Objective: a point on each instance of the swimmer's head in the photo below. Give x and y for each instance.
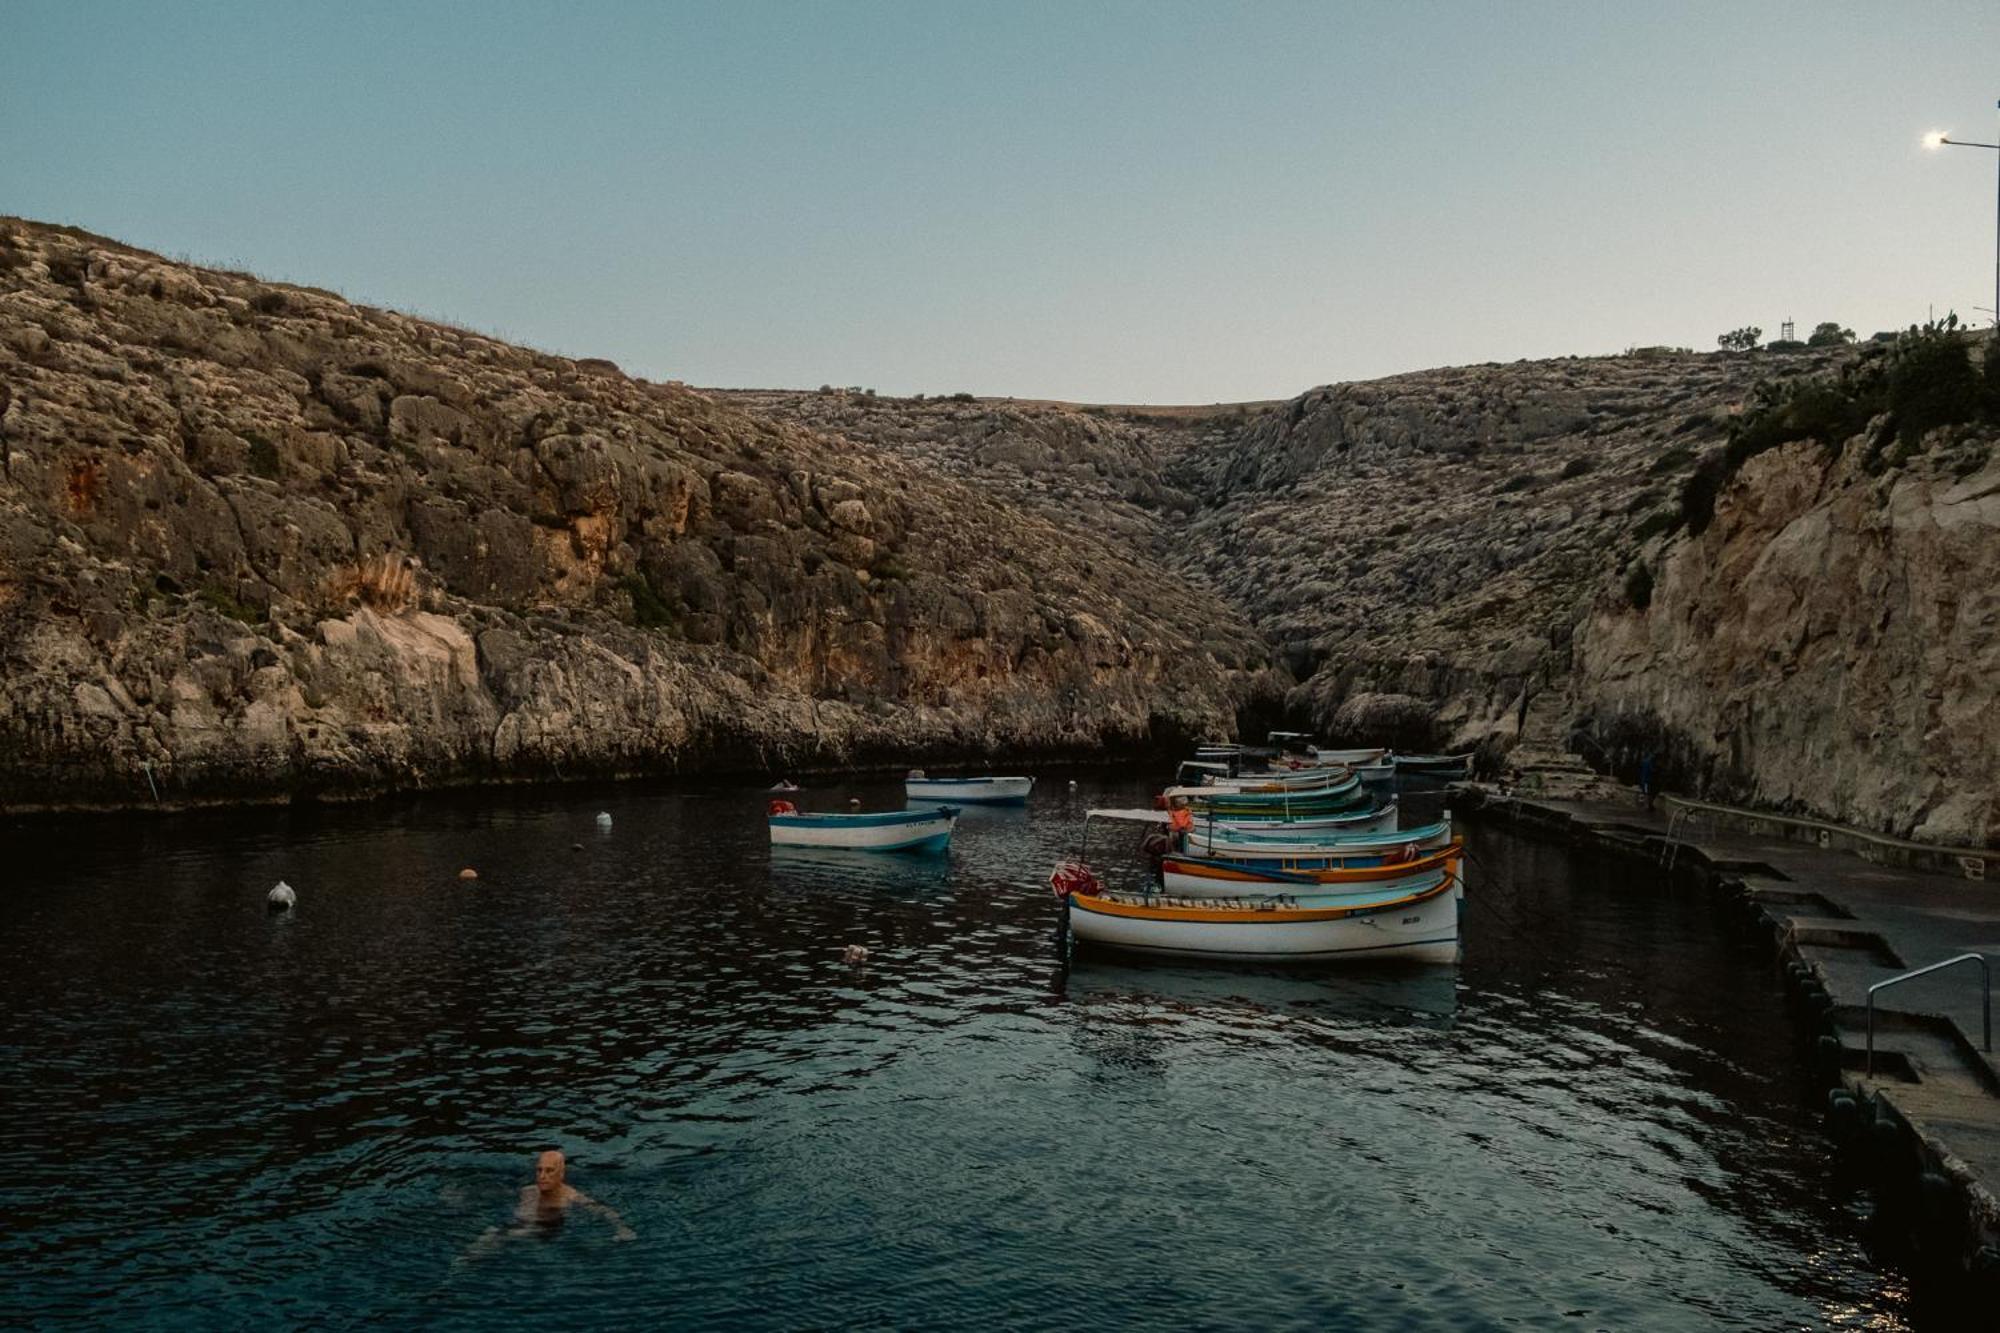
(549, 1172)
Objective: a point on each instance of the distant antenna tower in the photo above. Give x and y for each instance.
(1785, 331)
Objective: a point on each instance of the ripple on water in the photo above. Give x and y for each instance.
(215, 1116)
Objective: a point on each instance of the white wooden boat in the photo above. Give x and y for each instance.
(1374, 819)
(1435, 765)
(1268, 846)
(886, 831)
(1410, 914)
(1416, 926)
(1352, 758)
(1382, 770)
(964, 791)
(1293, 780)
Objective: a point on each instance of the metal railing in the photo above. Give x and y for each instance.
(1679, 825)
(1986, 1007)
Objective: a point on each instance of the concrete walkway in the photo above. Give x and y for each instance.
(1854, 923)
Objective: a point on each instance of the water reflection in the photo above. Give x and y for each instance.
(217, 1116)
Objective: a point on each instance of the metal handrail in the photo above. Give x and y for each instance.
(1678, 825)
(1986, 1010)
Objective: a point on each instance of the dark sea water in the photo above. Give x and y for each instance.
(213, 1117)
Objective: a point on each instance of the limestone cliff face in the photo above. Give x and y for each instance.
(1829, 645)
(256, 540)
(1419, 548)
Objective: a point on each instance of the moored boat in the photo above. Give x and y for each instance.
(1358, 820)
(1216, 877)
(1435, 765)
(1392, 925)
(970, 790)
(1350, 757)
(1409, 912)
(1293, 780)
(886, 831)
(1255, 846)
(1334, 798)
(1382, 770)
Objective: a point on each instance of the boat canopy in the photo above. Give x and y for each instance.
(1130, 816)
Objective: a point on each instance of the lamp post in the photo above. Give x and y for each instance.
(1946, 141)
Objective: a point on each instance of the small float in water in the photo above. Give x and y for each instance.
(967, 791)
(887, 831)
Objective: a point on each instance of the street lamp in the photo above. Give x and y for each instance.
(1939, 139)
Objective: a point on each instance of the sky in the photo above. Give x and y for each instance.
(1104, 202)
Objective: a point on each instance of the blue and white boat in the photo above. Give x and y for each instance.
(887, 831)
(1238, 846)
(967, 791)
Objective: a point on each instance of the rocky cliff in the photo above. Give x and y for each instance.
(1451, 559)
(257, 541)
(1829, 644)
(1417, 550)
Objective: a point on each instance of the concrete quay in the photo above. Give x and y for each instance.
(1924, 1125)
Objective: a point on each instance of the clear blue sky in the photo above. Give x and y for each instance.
(1154, 202)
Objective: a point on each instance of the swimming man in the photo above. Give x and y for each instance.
(543, 1205)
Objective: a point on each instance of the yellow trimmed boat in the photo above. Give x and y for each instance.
(1415, 926)
(1208, 877)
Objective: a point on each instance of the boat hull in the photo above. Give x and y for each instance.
(921, 831)
(1423, 930)
(1435, 765)
(1271, 846)
(970, 791)
(1208, 877)
(1352, 758)
(1300, 826)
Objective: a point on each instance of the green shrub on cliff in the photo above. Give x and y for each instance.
(1932, 382)
(263, 456)
(649, 609)
(1639, 586)
(1926, 380)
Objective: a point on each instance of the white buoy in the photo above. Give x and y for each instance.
(281, 898)
(604, 819)
(854, 953)
(1072, 784)
(854, 801)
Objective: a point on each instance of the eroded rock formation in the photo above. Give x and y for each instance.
(256, 540)
(1829, 645)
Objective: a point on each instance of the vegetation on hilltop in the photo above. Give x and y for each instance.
(1895, 393)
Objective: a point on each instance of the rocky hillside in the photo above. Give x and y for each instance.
(1829, 643)
(1452, 558)
(257, 541)
(1415, 549)
(1418, 548)
(1097, 468)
